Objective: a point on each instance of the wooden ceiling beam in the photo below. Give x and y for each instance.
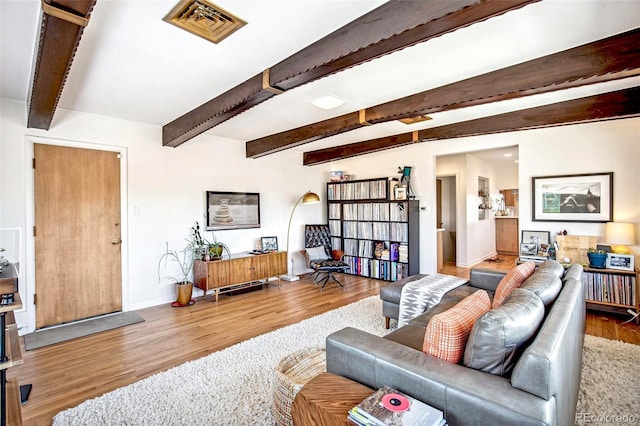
(604, 60)
(614, 105)
(63, 23)
(395, 25)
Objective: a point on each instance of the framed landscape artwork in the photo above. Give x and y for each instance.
(232, 210)
(573, 198)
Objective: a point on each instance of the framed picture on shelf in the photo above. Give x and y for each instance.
(400, 193)
(269, 243)
(528, 249)
(573, 198)
(543, 250)
(538, 237)
(620, 261)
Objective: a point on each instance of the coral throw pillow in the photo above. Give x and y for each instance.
(513, 279)
(447, 332)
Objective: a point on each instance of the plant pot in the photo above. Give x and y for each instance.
(184, 290)
(597, 260)
(215, 252)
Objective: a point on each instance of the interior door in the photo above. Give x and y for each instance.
(77, 233)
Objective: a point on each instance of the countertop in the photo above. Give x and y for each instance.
(506, 217)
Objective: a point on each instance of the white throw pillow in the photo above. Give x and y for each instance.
(317, 253)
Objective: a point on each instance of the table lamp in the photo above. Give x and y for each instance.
(307, 198)
(620, 235)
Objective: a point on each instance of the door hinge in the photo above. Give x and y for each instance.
(34, 230)
(34, 163)
(34, 298)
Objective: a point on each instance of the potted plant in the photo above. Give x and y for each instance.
(597, 258)
(203, 248)
(184, 285)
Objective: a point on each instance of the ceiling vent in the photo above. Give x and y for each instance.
(204, 19)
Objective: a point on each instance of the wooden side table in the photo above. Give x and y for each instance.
(326, 400)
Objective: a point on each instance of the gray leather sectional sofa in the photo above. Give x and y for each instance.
(502, 381)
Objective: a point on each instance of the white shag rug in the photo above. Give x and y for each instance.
(221, 384)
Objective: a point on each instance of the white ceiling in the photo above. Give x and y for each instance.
(133, 65)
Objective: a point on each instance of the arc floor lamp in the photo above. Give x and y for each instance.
(307, 198)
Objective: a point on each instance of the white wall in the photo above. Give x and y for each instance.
(612, 146)
(166, 185)
(481, 233)
(507, 177)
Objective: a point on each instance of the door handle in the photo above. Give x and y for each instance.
(116, 242)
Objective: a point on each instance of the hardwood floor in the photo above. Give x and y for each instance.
(66, 374)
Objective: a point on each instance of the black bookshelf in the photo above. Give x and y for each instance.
(379, 235)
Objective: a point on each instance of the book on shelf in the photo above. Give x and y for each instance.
(389, 407)
(394, 252)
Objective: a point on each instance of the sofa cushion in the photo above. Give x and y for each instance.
(424, 318)
(497, 336)
(545, 284)
(514, 278)
(447, 333)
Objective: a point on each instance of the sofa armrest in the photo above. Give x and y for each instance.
(486, 279)
(467, 396)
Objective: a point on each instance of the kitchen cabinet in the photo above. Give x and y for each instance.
(507, 235)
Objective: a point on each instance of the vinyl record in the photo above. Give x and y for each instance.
(396, 403)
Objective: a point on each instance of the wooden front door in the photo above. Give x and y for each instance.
(77, 233)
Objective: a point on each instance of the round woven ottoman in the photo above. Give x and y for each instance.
(292, 372)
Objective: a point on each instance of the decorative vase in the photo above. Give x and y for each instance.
(597, 260)
(184, 290)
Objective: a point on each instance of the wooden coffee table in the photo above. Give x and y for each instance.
(326, 400)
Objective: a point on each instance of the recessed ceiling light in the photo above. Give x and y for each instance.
(328, 102)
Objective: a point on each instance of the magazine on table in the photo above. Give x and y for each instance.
(389, 407)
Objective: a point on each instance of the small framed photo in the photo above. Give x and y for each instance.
(620, 261)
(400, 193)
(543, 250)
(528, 249)
(269, 243)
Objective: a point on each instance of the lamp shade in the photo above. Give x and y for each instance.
(620, 233)
(310, 198)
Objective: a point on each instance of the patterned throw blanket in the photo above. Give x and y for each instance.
(420, 295)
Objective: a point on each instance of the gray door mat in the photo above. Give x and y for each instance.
(75, 330)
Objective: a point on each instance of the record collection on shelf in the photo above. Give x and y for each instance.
(379, 235)
(608, 289)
